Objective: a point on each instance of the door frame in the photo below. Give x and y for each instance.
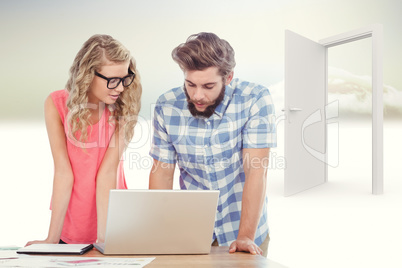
(374, 31)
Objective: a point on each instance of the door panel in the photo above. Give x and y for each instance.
(305, 124)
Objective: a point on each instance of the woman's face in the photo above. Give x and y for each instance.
(99, 92)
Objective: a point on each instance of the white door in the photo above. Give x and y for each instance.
(305, 123)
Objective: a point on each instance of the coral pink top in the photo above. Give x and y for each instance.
(80, 224)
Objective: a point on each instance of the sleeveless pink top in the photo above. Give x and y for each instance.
(80, 224)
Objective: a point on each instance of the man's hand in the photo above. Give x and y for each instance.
(245, 244)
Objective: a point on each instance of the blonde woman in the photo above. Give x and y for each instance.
(89, 125)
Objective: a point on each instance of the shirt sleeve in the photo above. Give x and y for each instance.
(162, 148)
(260, 128)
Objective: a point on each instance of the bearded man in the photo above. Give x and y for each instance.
(219, 132)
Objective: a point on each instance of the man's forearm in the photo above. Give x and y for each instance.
(161, 175)
(252, 204)
(158, 182)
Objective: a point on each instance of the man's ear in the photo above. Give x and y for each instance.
(229, 78)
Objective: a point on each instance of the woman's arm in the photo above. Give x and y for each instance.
(107, 177)
(63, 176)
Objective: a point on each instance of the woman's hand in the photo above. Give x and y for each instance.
(46, 241)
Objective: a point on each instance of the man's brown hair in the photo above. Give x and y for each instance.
(204, 50)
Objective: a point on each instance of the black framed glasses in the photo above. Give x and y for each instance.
(114, 82)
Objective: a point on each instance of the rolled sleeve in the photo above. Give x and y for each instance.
(260, 129)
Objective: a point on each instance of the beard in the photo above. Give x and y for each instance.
(210, 109)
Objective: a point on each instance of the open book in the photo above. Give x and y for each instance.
(56, 249)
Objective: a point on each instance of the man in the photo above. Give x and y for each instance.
(219, 132)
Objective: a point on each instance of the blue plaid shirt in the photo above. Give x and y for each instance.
(209, 150)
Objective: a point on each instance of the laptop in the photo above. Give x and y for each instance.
(160, 222)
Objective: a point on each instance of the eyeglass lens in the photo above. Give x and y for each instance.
(113, 83)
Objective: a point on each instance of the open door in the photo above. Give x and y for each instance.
(305, 123)
(305, 108)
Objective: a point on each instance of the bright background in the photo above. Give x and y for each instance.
(339, 224)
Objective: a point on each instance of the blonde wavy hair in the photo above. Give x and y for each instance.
(96, 52)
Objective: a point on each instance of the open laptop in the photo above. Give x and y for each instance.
(160, 222)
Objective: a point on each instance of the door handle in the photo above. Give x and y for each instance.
(292, 109)
(295, 109)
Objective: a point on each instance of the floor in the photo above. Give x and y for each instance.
(340, 223)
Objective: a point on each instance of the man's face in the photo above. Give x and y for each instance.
(205, 90)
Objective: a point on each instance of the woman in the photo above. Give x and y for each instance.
(89, 125)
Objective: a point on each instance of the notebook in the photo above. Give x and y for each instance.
(56, 249)
(160, 222)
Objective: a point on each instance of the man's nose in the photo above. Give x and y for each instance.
(198, 94)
